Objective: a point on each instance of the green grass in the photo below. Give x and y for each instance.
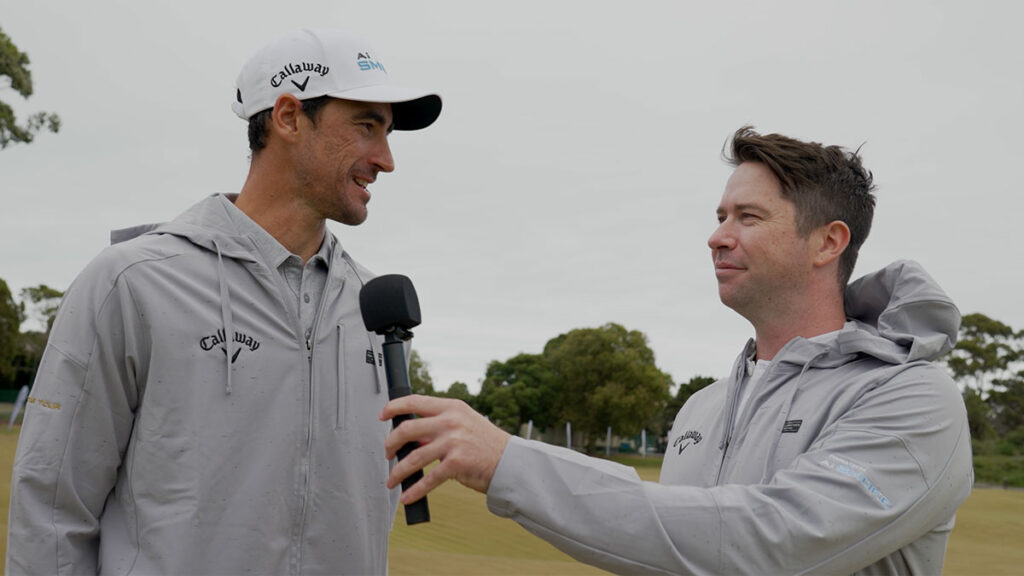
(462, 538)
(643, 464)
(988, 534)
(8, 445)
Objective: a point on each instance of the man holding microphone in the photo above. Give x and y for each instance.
(834, 445)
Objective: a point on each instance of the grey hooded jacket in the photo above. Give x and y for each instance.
(181, 423)
(849, 457)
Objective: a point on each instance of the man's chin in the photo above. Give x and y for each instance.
(729, 298)
(351, 218)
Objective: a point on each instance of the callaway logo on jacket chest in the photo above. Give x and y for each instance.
(217, 340)
(684, 440)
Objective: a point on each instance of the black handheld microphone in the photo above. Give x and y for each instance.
(390, 308)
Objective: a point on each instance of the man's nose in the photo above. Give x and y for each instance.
(383, 159)
(721, 237)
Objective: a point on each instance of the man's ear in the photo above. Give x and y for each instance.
(834, 238)
(286, 117)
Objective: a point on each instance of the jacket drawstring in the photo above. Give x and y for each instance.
(785, 412)
(225, 316)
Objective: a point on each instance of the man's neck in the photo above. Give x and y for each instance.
(278, 212)
(815, 317)
(770, 341)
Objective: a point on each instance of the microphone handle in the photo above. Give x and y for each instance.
(398, 386)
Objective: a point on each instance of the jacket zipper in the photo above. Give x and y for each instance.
(730, 423)
(725, 451)
(307, 463)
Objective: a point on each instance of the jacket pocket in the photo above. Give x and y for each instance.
(360, 376)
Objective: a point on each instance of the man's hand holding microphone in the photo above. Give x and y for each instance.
(466, 445)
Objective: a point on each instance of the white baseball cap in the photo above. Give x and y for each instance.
(335, 63)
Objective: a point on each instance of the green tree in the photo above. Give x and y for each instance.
(459, 391)
(1007, 404)
(31, 346)
(11, 316)
(419, 375)
(518, 390)
(683, 394)
(986, 350)
(988, 363)
(20, 352)
(43, 304)
(608, 377)
(502, 408)
(14, 64)
(979, 416)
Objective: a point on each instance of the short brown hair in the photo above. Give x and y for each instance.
(258, 123)
(825, 183)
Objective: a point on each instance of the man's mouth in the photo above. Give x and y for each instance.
(723, 266)
(363, 183)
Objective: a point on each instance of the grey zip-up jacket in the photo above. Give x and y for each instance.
(181, 423)
(848, 457)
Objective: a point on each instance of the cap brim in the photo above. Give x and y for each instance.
(412, 109)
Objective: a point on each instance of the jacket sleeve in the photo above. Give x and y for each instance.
(77, 424)
(891, 469)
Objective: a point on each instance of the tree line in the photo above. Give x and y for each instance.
(591, 377)
(21, 351)
(608, 376)
(988, 363)
(599, 377)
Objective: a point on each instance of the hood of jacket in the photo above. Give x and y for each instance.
(899, 315)
(207, 224)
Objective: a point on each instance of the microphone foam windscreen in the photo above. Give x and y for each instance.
(389, 301)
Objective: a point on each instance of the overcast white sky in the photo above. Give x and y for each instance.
(573, 176)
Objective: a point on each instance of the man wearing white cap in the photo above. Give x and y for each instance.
(207, 403)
